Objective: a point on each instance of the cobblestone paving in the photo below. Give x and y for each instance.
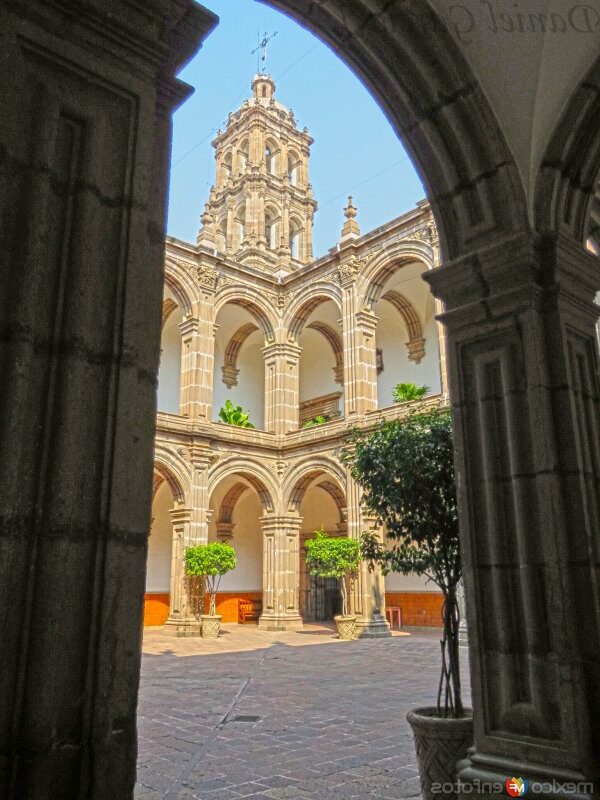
(285, 716)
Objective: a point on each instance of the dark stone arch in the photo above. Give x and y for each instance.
(410, 63)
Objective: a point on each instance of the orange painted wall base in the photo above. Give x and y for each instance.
(156, 609)
(156, 606)
(228, 603)
(419, 609)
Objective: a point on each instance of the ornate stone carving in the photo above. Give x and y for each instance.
(207, 277)
(349, 270)
(427, 233)
(281, 300)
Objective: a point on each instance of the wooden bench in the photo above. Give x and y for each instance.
(249, 611)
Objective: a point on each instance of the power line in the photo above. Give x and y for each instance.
(234, 105)
(362, 183)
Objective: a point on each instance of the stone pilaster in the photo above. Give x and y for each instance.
(523, 371)
(369, 588)
(197, 351)
(358, 335)
(282, 387)
(85, 141)
(190, 527)
(281, 573)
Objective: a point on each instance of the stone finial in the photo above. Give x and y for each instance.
(350, 229)
(206, 234)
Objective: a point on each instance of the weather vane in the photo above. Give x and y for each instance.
(261, 50)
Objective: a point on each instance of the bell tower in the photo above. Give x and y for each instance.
(260, 210)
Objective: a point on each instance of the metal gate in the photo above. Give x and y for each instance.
(322, 599)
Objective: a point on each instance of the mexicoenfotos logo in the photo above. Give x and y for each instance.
(516, 787)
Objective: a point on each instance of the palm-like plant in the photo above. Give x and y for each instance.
(234, 415)
(409, 392)
(318, 420)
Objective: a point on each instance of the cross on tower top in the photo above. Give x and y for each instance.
(261, 50)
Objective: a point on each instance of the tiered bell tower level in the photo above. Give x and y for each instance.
(260, 210)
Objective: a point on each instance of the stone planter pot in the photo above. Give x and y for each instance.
(345, 625)
(210, 626)
(440, 743)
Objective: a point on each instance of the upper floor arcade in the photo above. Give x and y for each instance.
(320, 342)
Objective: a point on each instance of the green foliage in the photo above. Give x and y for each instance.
(406, 470)
(210, 561)
(334, 557)
(318, 420)
(214, 558)
(234, 415)
(409, 392)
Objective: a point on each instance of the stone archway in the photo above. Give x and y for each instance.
(84, 324)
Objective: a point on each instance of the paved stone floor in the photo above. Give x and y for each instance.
(281, 715)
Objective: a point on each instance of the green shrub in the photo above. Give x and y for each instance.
(334, 557)
(234, 415)
(409, 392)
(210, 561)
(318, 420)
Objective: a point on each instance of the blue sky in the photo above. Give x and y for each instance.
(355, 151)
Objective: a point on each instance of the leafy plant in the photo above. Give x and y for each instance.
(210, 561)
(406, 470)
(318, 420)
(334, 557)
(234, 415)
(408, 392)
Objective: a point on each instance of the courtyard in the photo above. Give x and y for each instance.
(282, 715)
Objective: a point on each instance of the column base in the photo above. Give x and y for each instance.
(279, 622)
(376, 627)
(485, 776)
(175, 626)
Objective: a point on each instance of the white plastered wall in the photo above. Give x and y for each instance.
(169, 373)
(246, 540)
(392, 335)
(250, 389)
(318, 510)
(318, 360)
(158, 573)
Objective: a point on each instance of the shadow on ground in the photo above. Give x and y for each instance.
(282, 715)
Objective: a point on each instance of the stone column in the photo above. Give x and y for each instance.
(358, 335)
(523, 371)
(282, 387)
(231, 232)
(284, 238)
(369, 587)
(281, 573)
(261, 218)
(198, 350)
(85, 140)
(190, 527)
(256, 145)
(441, 329)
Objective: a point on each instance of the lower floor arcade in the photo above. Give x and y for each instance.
(266, 511)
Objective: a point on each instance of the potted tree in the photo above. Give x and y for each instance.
(406, 470)
(336, 557)
(209, 562)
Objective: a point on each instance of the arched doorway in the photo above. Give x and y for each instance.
(239, 371)
(236, 518)
(318, 497)
(169, 374)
